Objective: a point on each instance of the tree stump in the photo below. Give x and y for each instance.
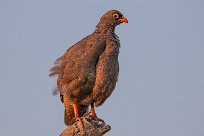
(86, 126)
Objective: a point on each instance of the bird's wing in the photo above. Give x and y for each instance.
(72, 52)
(106, 72)
(76, 69)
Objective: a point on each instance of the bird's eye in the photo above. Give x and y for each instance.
(116, 16)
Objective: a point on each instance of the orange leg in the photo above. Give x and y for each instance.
(76, 112)
(93, 113)
(93, 110)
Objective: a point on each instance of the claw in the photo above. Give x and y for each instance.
(97, 119)
(79, 123)
(77, 118)
(94, 116)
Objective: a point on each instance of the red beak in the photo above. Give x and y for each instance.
(123, 20)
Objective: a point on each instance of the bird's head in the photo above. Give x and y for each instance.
(111, 18)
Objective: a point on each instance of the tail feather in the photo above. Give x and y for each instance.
(67, 119)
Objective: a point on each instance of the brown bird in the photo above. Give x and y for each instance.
(88, 71)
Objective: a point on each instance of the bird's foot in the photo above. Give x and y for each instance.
(95, 118)
(76, 119)
(79, 121)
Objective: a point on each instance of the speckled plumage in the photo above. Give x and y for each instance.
(88, 71)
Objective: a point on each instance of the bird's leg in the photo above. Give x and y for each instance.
(76, 111)
(93, 114)
(76, 114)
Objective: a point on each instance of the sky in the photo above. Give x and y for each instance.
(160, 91)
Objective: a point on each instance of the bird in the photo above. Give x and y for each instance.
(87, 72)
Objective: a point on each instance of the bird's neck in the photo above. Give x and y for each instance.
(104, 28)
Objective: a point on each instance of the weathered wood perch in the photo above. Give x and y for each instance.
(86, 127)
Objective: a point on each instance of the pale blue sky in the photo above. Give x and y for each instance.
(161, 83)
